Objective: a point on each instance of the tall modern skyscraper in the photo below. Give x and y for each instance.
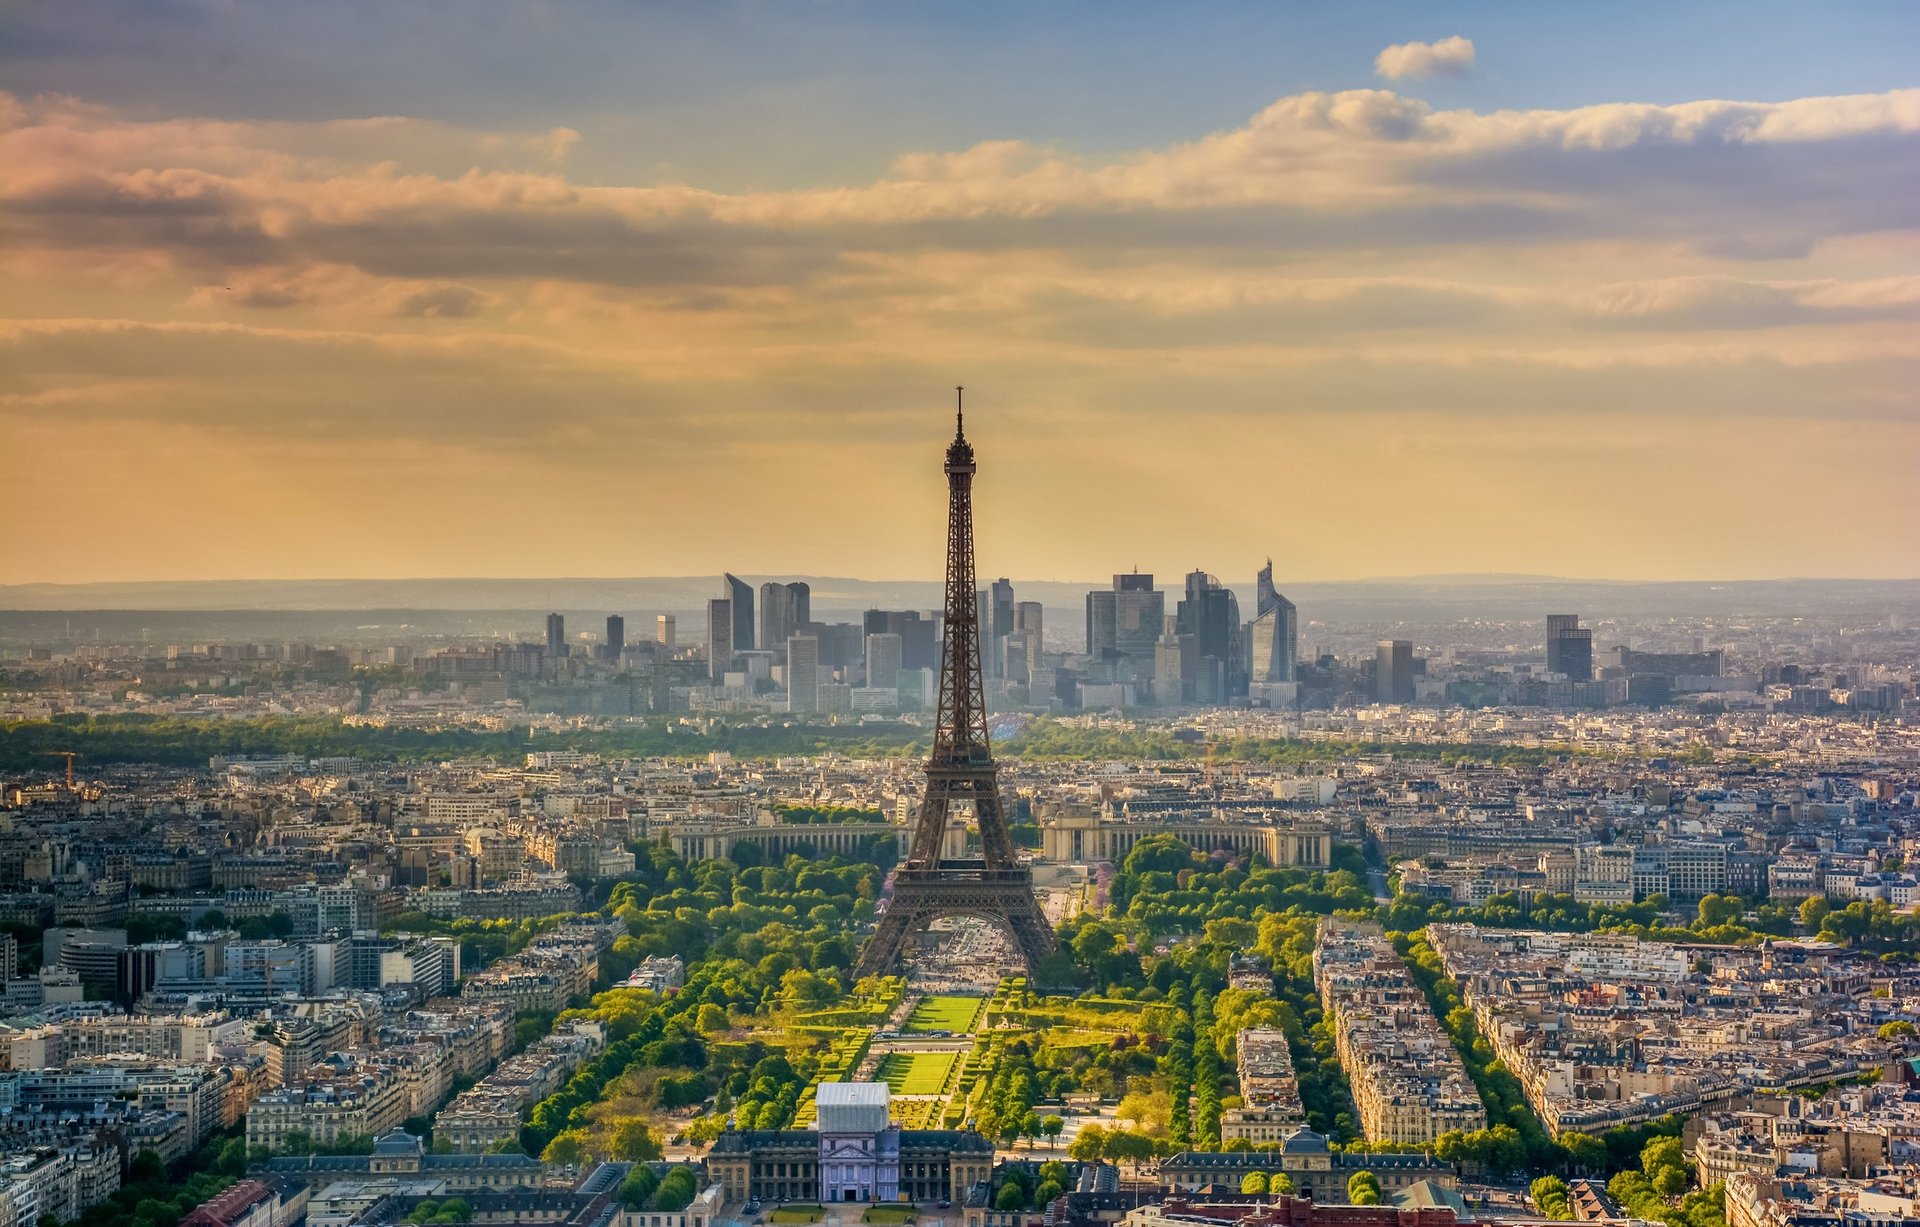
(1126, 620)
(719, 637)
(784, 609)
(663, 630)
(1211, 614)
(883, 660)
(1569, 647)
(917, 650)
(1103, 632)
(803, 673)
(1002, 594)
(556, 635)
(1275, 632)
(616, 637)
(1393, 671)
(740, 595)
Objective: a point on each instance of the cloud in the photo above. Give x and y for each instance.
(1335, 260)
(1356, 169)
(1449, 57)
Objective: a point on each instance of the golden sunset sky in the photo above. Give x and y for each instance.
(524, 290)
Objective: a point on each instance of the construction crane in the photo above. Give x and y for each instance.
(69, 756)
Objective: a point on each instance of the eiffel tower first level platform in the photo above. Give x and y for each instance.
(958, 888)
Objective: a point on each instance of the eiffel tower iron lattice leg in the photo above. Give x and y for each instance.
(923, 896)
(960, 769)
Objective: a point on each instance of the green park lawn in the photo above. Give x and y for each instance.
(955, 1014)
(917, 1073)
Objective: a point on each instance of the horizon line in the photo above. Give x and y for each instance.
(1467, 576)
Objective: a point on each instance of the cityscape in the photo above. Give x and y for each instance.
(1403, 707)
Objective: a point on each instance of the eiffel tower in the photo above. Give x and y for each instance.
(960, 769)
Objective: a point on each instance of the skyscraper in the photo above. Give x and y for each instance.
(1275, 632)
(1211, 614)
(719, 637)
(784, 609)
(1126, 621)
(883, 660)
(1393, 671)
(917, 649)
(803, 673)
(1569, 647)
(616, 637)
(1103, 632)
(740, 594)
(556, 635)
(1002, 593)
(663, 630)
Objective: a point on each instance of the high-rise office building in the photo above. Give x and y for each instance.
(1124, 625)
(884, 651)
(616, 637)
(784, 609)
(556, 635)
(1002, 594)
(803, 673)
(1393, 671)
(1569, 647)
(663, 630)
(1176, 663)
(740, 596)
(719, 637)
(917, 649)
(1103, 630)
(1275, 632)
(1211, 614)
(1139, 615)
(1029, 616)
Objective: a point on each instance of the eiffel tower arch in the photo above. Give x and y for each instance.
(960, 769)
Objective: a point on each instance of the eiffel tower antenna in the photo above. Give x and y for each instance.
(961, 769)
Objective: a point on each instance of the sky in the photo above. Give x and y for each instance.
(399, 289)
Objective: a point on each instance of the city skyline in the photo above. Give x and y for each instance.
(1400, 294)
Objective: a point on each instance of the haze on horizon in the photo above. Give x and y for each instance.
(625, 290)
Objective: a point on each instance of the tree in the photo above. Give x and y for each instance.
(1363, 1189)
(1718, 910)
(1048, 1190)
(1280, 1184)
(1813, 910)
(638, 1187)
(1052, 1126)
(1549, 1195)
(1897, 1029)
(1586, 1153)
(677, 1189)
(1010, 1198)
(1666, 1166)
(711, 1018)
(1129, 1146)
(634, 1142)
(1253, 1182)
(1090, 1145)
(567, 1149)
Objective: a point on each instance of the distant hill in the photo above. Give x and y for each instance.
(1422, 596)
